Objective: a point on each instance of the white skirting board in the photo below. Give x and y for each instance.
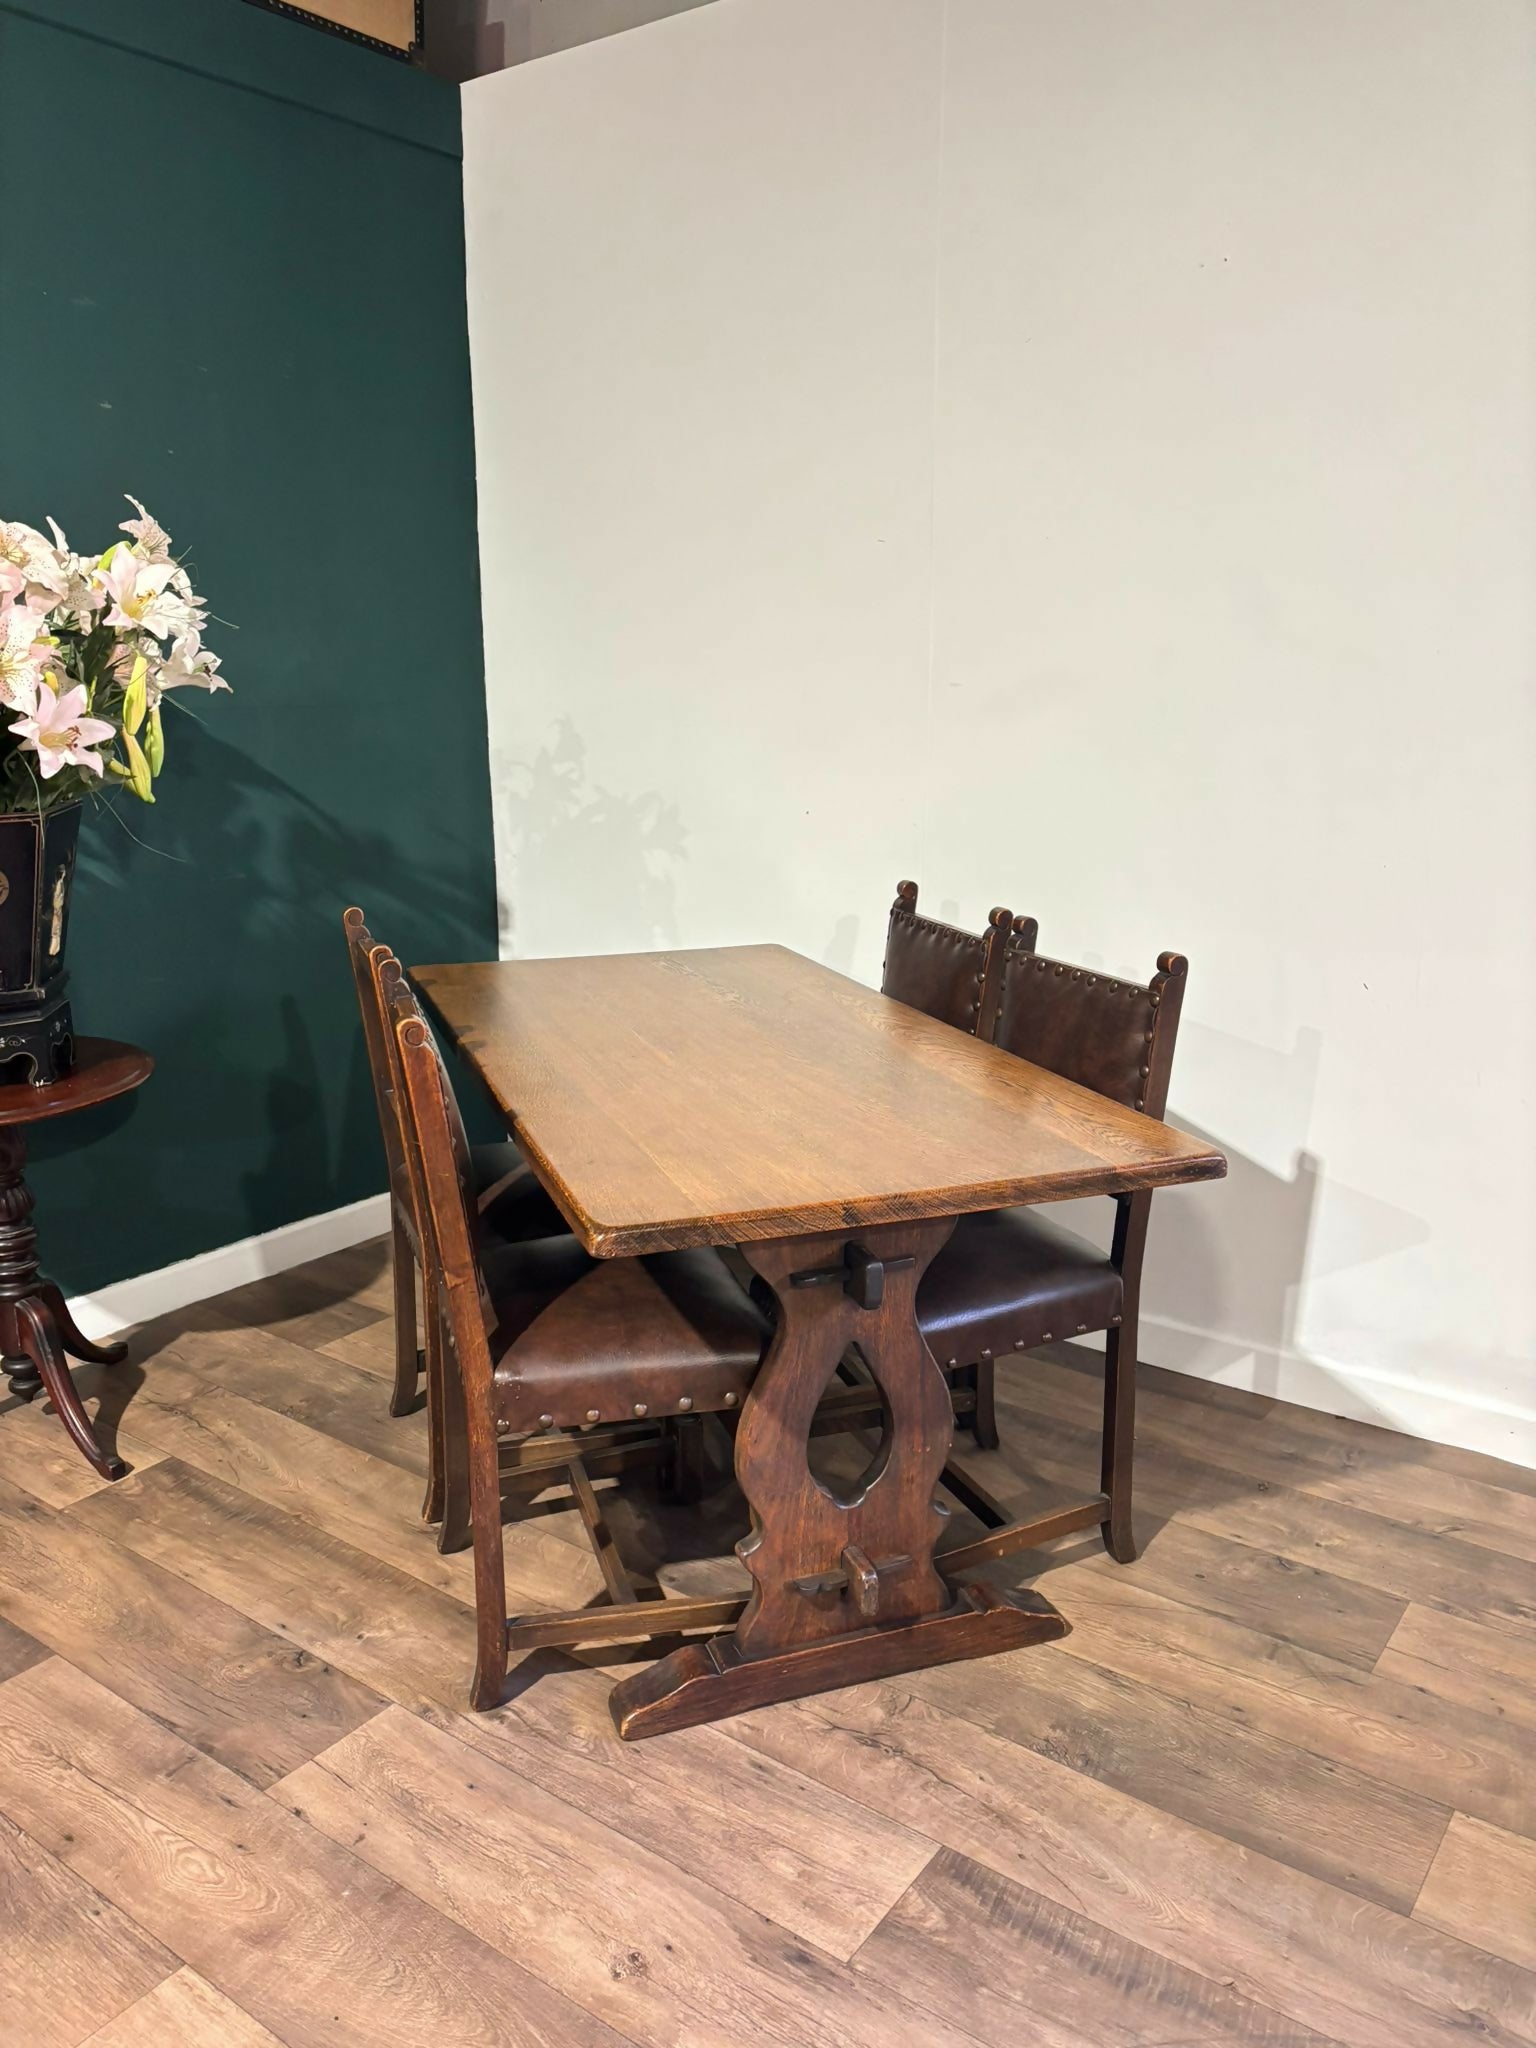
(127, 1302)
(1501, 1430)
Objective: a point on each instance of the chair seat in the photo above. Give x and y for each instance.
(584, 1340)
(1010, 1280)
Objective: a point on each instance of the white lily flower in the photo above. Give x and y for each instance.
(24, 654)
(189, 662)
(142, 596)
(80, 594)
(151, 542)
(61, 734)
(29, 566)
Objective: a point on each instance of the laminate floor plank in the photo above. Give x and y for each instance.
(362, 1272)
(36, 1455)
(1306, 1604)
(364, 1501)
(1386, 1557)
(651, 1950)
(1366, 1721)
(17, 1648)
(1365, 1837)
(370, 1348)
(406, 1640)
(1378, 1556)
(342, 1400)
(1463, 1661)
(1482, 1886)
(303, 1305)
(68, 1960)
(1352, 1971)
(220, 1681)
(309, 1941)
(1011, 1966)
(183, 2011)
(759, 1831)
(1335, 1443)
(1389, 1480)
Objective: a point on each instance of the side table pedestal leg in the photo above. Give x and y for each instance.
(40, 1338)
(35, 1323)
(26, 1382)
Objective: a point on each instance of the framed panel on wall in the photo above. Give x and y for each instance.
(393, 26)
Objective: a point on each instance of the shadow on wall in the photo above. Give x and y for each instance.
(842, 948)
(252, 1019)
(1239, 1257)
(614, 856)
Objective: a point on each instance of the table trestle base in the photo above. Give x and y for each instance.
(708, 1680)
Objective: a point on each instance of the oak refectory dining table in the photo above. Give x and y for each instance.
(745, 1097)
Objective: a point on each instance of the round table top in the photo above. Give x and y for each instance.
(103, 1067)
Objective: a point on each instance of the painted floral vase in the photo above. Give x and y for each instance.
(37, 864)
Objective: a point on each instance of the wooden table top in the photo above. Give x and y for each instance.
(104, 1068)
(743, 1092)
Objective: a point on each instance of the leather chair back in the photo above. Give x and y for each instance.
(947, 973)
(1113, 1036)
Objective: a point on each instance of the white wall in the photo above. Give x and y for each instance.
(1081, 456)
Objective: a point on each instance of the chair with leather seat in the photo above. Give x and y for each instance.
(552, 1353)
(1014, 1279)
(512, 1202)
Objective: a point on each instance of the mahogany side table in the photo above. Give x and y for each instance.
(36, 1328)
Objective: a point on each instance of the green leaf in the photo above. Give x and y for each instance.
(154, 743)
(135, 697)
(139, 777)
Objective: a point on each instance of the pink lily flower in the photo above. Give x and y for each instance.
(60, 733)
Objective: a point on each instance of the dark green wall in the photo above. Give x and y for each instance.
(232, 283)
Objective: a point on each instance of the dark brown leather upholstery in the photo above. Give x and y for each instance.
(624, 1338)
(1011, 1280)
(943, 971)
(1115, 1037)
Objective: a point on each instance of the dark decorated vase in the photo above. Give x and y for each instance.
(37, 865)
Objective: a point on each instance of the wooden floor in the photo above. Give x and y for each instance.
(1277, 1785)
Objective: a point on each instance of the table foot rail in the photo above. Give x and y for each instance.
(1024, 1535)
(630, 1621)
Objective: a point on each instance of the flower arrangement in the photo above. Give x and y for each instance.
(90, 646)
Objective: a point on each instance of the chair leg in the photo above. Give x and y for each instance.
(984, 1417)
(432, 1501)
(490, 1564)
(455, 1502)
(681, 1475)
(1119, 1439)
(407, 1358)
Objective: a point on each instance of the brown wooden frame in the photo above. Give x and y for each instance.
(374, 969)
(404, 1246)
